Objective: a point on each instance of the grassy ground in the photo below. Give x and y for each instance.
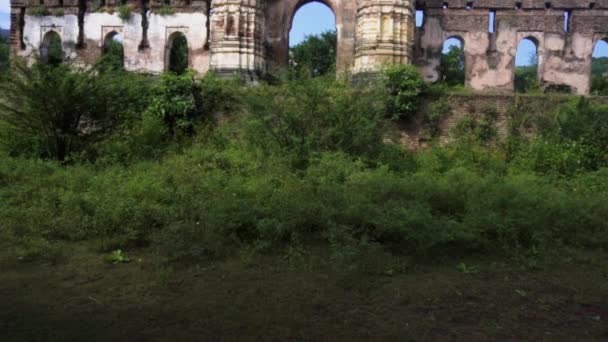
(81, 297)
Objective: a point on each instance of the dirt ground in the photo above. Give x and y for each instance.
(84, 298)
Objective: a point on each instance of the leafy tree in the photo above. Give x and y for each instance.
(316, 55)
(177, 100)
(404, 87)
(453, 65)
(178, 57)
(60, 109)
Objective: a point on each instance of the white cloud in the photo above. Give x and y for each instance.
(5, 6)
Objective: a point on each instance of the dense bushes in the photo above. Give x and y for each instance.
(302, 117)
(66, 114)
(54, 111)
(297, 163)
(405, 88)
(4, 55)
(206, 201)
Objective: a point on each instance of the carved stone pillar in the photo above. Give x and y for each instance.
(17, 26)
(237, 38)
(385, 34)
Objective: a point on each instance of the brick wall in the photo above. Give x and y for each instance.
(496, 109)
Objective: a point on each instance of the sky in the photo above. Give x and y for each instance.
(5, 9)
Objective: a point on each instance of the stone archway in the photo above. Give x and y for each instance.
(279, 21)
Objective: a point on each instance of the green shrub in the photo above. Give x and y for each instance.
(57, 111)
(405, 87)
(112, 58)
(177, 100)
(4, 56)
(165, 10)
(482, 129)
(38, 11)
(124, 12)
(305, 164)
(526, 79)
(453, 65)
(179, 59)
(435, 113)
(305, 116)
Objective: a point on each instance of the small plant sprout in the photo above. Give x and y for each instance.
(118, 257)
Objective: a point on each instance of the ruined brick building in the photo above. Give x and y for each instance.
(251, 37)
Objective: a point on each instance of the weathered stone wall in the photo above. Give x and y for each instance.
(564, 57)
(496, 109)
(251, 37)
(84, 26)
(280, 15)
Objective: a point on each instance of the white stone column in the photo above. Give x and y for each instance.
(385, 34)
(237, 38)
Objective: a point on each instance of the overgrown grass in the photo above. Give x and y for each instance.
(306, 163)
(213, 199)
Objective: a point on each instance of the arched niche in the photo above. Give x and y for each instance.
(51, 49)
(177, 53)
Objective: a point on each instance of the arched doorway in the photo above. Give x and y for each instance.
(177, 56)
(453, 62)
(313, 40)
(599, 68)
(526, 66)
(51, 50)
(112, 52)
(282, 15)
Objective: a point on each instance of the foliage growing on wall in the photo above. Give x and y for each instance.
(124, 12)
(38, 11)
(404, 87)
(165, 10)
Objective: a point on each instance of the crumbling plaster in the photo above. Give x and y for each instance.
(251, 37)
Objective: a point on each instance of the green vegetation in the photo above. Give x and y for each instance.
(404, 87)
(526, 79)
(55, 111)
(315, 56)
(58, 12)
(453, 66)
(53, 51)
(38, 11)
(112, 58)
(179, 55)
(4, 55)
(599, 76)
(124, 12)
(209, 192)
(297, 162)
(165, 10)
